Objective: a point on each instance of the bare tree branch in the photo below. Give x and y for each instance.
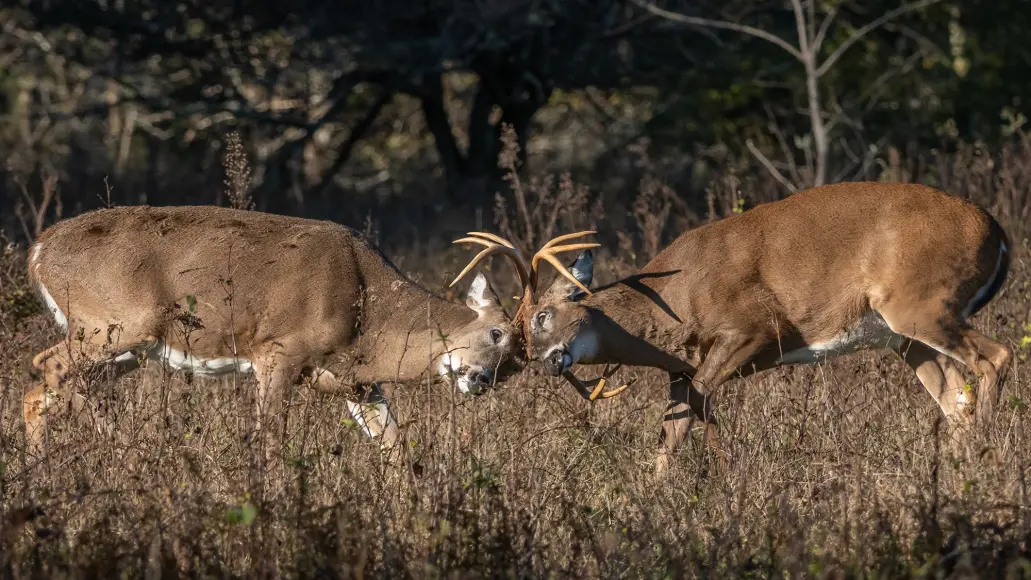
(870, 26)
(925, 43)
(818, 128)
(723, 25)
(873, 90)
(770, 167)
(811, 22)
(824, 27)
(782, 142)
(345, 150)
(803, 36)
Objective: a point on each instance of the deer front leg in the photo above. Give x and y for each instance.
(275, 373)
(376, 419)
(371, 410)
(686, 404)
(727, 355)
(43, 403)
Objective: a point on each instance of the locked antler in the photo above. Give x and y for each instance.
(493, 245)
(590, 394)
(529, 277)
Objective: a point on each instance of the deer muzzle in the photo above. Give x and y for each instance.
(474, 380)
(557, 361)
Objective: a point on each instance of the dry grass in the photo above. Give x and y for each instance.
(836, 471)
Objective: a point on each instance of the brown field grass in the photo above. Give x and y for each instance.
(836, 470)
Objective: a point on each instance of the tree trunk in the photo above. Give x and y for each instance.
(469, 177)
(432, 101)
(819, 129)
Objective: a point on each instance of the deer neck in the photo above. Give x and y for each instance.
(634, 329)
(403, 328)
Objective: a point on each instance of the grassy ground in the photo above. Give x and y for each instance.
(836, 470)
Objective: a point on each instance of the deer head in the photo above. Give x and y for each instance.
(488, 349)
(540, 318)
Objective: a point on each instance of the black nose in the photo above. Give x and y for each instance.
(478, 377)
(553, 362)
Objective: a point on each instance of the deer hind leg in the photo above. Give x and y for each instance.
(943, 380)
(56, 396)
(982, 356)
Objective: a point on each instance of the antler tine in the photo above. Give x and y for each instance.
(491, 248)
(472, 264)
(599, 390)
(565, 237)
(552, 251)
(493, 238)
(548, 251)
(605, 376)
(472, 240)
(551, 259)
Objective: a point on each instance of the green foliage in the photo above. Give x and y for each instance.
(242, 514)
(19, 304)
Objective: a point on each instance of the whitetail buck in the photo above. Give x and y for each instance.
(210, 291)
(824, 272)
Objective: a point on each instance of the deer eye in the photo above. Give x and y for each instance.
(495, 335)
(542, 317)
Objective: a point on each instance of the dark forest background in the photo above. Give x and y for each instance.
(390, 112)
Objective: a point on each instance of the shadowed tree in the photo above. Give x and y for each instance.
(298, 66)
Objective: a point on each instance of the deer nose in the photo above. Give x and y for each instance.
(475, 381)
(555, 361)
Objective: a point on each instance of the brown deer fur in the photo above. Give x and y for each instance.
(286, 298)
(826, 271)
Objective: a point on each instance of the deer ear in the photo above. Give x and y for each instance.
(481, 295)
(583, 270)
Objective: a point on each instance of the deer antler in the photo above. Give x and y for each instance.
(493, 245)
(548, 251)
(598, 392)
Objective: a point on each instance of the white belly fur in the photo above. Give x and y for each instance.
(178, 360)
(869, 333)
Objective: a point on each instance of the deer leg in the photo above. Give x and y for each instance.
(686, 405)
(998, 362)
(371, 411)
(981, 355)
(376, 419)
(275, 373)
(725, 357)
(324, 381)
(942, 379)
(56, 396)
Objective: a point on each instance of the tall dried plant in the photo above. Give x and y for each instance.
(238, 173)
(541, 207)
